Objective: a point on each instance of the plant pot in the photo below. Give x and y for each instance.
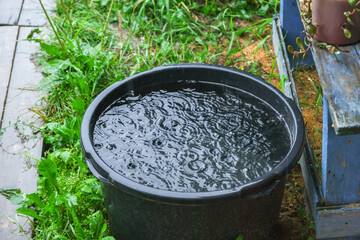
(328, 16)
(137, 211)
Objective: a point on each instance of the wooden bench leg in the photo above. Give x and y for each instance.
(340, 183)
(340, 165)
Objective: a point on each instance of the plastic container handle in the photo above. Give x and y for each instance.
(268, 190)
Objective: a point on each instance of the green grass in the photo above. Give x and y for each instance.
(312, 98)
(88, 52)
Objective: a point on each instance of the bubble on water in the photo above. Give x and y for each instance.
(158, 142)
(110, 146)
(98, 146)
(195, 166)
(131, 166)
(191, 140)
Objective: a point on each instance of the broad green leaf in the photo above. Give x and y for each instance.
(17, 199)
(72, 200)
(48, 186)
(55, 65)
(29, 212)
(263, 9)
(50, 205)
(10, 192)
(51, 50)
(65, 131)
(53, 126)
(86, 188)
(65, 156)
(34, 197)
(48, 169)
(78, 105)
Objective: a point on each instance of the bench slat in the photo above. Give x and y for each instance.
(340, 79)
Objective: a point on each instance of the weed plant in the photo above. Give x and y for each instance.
(95, 43)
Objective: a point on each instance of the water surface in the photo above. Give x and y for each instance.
(191, 140)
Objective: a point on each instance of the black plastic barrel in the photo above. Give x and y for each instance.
(136, 211)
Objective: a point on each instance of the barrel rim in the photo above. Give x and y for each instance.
(107, 175)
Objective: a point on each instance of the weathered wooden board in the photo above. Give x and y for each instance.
(339, 222)
(340, 165)
(19, 146)
(332, 221)
(340, 80)
(32, 14)
(311, 178)
(8, 37)
(10, 11)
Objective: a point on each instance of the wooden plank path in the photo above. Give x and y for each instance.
(33, 8)
(19, 146)
(10, 11)
(19, 93)
(8, 36)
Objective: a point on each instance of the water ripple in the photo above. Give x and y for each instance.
(191, 140)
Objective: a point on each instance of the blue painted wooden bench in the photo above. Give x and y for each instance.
(334, 196)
